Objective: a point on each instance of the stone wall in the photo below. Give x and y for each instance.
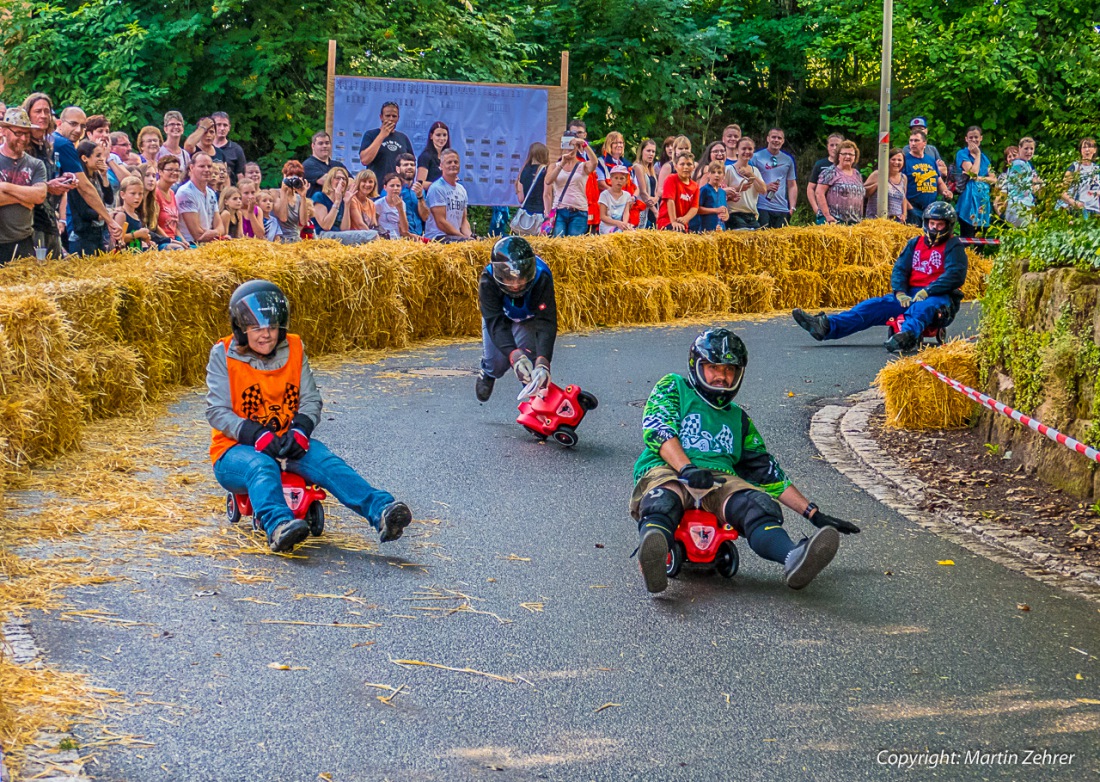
(1040, 352)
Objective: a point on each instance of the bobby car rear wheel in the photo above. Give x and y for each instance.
(232, 509)
(315, 518)
(675, 561)
(728, 560)
(587, 401)
(566, 435)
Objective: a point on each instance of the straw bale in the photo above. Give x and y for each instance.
(110, 380)
(799, 288)
(39, 421)
(738, 253)
(640, 300)
(977, 272)
(36, 337)
(850, 285)
(916, 399)
(751, 293)
(699, 294)
(89, 307)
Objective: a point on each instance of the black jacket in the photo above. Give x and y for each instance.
(951, 280)
(539, 302)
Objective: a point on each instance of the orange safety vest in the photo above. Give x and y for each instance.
(269, 398)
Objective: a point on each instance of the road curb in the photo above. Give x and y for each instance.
(840, 434)
(42, 764)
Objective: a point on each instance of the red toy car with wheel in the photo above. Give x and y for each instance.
(935, 331)
(556, 413)
(700, 539)
(302, 498)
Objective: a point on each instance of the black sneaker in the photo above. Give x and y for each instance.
(903, 342)
(810, 557)
(817, 325)
(653, 559)
(484, 386)
(288, 535)
(395, 517)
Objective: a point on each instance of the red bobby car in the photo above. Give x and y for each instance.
(557, 413)
(701, 540)
(304, 500)
(934, 331)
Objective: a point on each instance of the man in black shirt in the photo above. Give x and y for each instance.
(231, 150)
(832, 144)
(320, 162)
(382, 146)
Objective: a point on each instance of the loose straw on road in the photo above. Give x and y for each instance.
(1085, 450)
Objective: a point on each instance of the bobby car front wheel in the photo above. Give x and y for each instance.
(566, 435)
(232, 509)
(315, 518)
(728, 560)
(676, 556)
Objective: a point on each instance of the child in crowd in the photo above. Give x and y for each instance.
(219, 178)
(712, 200)
(231, 206)
(266, 201)
(135, 234)
(150, 213)
(253, 223)
(263, 405)
(390, 209)
(252, 171)
(679, 196)
(615, 203)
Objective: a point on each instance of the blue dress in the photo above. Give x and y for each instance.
(974, 204)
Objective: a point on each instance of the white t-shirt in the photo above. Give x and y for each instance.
(389, 217)
(453, 198)
(746, 204)
(1085, 185)
(190, 199)
(616, 209)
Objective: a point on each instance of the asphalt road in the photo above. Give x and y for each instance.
(714, 680)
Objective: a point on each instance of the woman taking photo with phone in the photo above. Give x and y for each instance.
(565, 186)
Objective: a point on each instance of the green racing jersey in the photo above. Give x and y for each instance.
(721, 440)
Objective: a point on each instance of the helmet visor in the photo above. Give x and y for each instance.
(509, 281)
(262, 310)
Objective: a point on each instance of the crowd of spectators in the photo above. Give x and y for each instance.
(71, 185)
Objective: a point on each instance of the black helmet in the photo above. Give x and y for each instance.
(258, 303)
(513, 265)
(716, 346)
(940, 210)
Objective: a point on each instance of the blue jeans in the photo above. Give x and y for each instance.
(242, 470)
(571, 222)
(494, 363)
(875, 312)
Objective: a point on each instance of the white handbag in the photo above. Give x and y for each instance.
(527, 223)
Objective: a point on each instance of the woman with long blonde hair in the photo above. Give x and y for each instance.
(332, 209)
(364, 190)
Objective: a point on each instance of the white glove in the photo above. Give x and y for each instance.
(540, 381)
(522, 366)
(920, 295)
(903, 299)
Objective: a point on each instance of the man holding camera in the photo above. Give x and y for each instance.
(200, 221)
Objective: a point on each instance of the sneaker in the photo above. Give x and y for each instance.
(395, 517)
(484, 386)
(903, 342)
(810, 557)
(288, 535)
(653, 559)
(817, 325)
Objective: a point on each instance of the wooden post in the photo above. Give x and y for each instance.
(330, 88)
(557, 109)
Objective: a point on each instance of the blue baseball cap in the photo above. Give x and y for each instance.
(918, 122)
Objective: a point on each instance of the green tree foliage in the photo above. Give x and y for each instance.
(644, 67)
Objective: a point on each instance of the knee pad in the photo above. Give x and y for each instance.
(661, 508)
(752, 510)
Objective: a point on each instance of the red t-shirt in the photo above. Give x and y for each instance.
(928, 263)
(686, 195)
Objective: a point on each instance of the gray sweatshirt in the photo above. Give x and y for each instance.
(219, 401)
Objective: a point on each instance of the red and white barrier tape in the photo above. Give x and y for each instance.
(1085, 450)
(975, 240)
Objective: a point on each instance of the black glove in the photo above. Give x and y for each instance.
(820, 519)
(696, 477)
(259, 437)
(293, 444)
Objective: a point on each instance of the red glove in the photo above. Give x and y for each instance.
(294, 444)
(268, 443)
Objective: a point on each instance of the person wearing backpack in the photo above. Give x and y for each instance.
(973, 179)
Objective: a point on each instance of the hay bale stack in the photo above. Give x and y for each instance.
(850, 285)
(738, 253)
(640, 300)
(109, 379)
(977, 272)
(799, 288)
(699, 294)
(751, 293)
(916, 399)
